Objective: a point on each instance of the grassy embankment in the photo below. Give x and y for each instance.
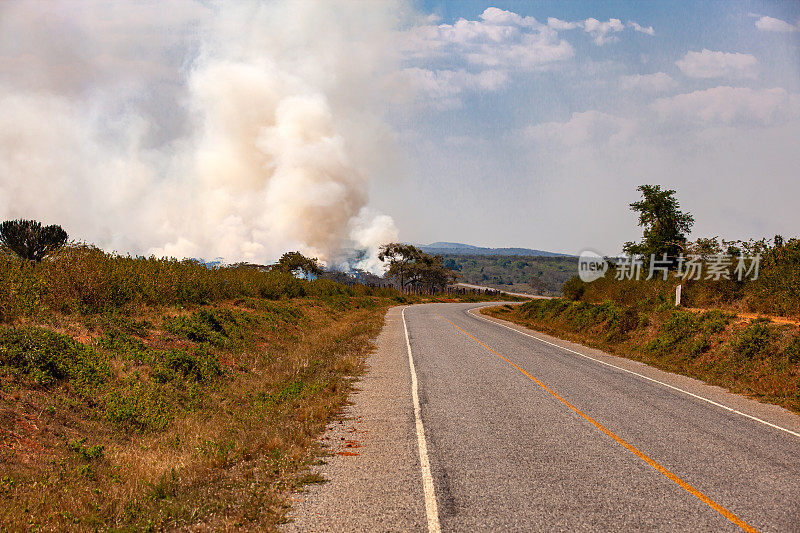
(638, 319)
(153, 394)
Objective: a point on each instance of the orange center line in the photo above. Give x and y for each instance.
(630, 447)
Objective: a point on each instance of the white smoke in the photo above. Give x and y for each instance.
(240, 132)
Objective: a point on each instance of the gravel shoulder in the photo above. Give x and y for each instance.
(373, 469)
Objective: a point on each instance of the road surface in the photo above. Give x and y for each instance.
(483, 288)
(485, 426)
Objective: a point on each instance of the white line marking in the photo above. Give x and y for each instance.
(640, 375)
(427, 480)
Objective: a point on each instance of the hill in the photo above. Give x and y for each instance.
(440, 248)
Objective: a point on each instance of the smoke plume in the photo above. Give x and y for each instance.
(236, 131)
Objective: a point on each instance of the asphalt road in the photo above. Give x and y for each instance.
(482, 287)
(516, 433)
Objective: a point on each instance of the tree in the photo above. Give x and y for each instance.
(429, 272)
(538, 285)
(665, 225)
(296, 263)
(30, 240)
(399, 256)
(411, 266)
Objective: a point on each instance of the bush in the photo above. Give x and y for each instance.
(198, 365)
(140, 406)
(792, 351)
(676, 334)
(218, 327)
(48, 357)
(754, 341)
(573, 289)
(86, 452)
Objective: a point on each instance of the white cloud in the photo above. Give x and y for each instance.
(711, 64)
(730, 105)
(480, 55)
(603, 32)
(499, 39)
(444, 88)
(590, 128)
(641, 29)
(558, 24)
(656, 82)
(671, 116)
(772, 24)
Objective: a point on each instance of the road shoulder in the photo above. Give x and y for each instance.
(373, 469)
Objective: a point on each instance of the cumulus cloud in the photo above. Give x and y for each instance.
(197, 132)
(481, 55)
(490, 50)
(558, 24)
(500, 39)
(765, 23)
(714, 64)
(652, 83)
(601, 32)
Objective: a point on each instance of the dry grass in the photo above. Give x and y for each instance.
(231, 450)
(758, 358)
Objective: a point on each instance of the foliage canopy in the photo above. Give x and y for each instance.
(665, 225)
(296, 263)
(28, 239)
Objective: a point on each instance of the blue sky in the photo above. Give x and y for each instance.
(703, 99)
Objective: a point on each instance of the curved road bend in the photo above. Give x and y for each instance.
(522, 435)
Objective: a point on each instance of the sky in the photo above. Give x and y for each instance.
(542, 118)
(244, 129)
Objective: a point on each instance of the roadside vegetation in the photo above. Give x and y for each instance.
(722, 332)
(150, 394)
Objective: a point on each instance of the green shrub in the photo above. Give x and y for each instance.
(198, 365)
(326, 287)
(754, 341)
(677, 334)
(48, 357)
(139, 406)
(573, 288)
(792, 351)
(218, 327)
(86, 452)
(84, 279)
(714, 321)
